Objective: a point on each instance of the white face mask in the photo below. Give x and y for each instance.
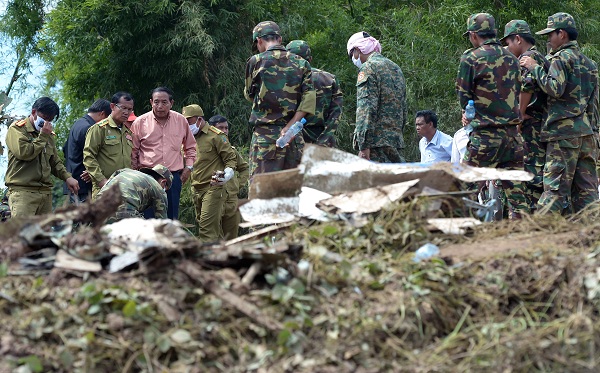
(194, 128)
(357, 62)
(39, 123)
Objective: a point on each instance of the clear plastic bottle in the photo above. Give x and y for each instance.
(292, 131)
(426, 251)
(470, 115)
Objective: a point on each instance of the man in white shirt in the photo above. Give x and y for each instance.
(459, 145)
(435, 146)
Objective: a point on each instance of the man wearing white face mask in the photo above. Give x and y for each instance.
(214, 153)
(380, 101)
(32, 159)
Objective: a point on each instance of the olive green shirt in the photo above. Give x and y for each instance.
(213, 153)
(32, 158)
(243, 173)
(107, 149)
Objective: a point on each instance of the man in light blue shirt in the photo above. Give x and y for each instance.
(435, 146)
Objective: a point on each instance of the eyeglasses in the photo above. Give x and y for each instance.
(124, 109)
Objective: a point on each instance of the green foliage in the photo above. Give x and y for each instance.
(199, 48)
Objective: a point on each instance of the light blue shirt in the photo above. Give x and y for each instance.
(439, 149)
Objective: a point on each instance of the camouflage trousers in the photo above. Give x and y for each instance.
(535, 158)
(230, 222)
(387, 154)
(570, 176)
(501, 147)
(265, 156)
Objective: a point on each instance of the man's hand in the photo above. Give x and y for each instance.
(102, 183)
(365, 153)
(185, 175)
(464, 120)
(85, 176)
(228, 175)
(527, 62)
(47, 129)
(72, 184)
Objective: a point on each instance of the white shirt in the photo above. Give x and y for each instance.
(439, 149)
(459, 145)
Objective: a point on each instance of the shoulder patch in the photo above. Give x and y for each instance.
(361, 77)
(21, 123)
(103, 122)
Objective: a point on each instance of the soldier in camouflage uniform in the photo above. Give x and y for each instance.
(32, 159)
(108, 144)
(490, 76)
(532, 104)
(279, 85)
(381, 110)
(320, 128)
(214, 153)
(571, 83)
(140, 190)
(230, 222)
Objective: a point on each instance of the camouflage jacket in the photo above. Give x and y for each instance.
(107, 149)
(490, 76)
(537, 105)
(278, 83)
(380, 104)
(593, 104)
(328, 109)
(32, 158)
(570, 86)
(140, 192)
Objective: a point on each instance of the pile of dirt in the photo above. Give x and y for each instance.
(505, 297)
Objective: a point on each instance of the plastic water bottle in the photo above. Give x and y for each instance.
(293, 131)
(470, 115)
(426, 251)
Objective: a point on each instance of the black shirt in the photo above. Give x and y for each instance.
(73, 151)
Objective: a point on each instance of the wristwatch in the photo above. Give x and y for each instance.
(191, 168)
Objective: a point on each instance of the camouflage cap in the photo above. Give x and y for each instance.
(162, 171)
(514, 27)
(558, 21)
(480, 22)
(193, 110)
(299, 47)
(265, 28)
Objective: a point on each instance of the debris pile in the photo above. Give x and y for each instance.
(341, 295)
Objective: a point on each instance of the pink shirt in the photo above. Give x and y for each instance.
(154, 144)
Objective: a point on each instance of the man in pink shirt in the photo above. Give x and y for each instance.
(158, 137)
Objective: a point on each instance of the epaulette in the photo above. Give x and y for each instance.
(103, 122)
(216, 130)
(21, 122)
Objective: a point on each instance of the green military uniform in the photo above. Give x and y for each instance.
(214, 153)
(571, 83)
(140, 192)
(107, 149)
(32, 159)
(535, 150)
(278, 83)
(490, 76)
(231, 215)
(381, 109)
(320, 127)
